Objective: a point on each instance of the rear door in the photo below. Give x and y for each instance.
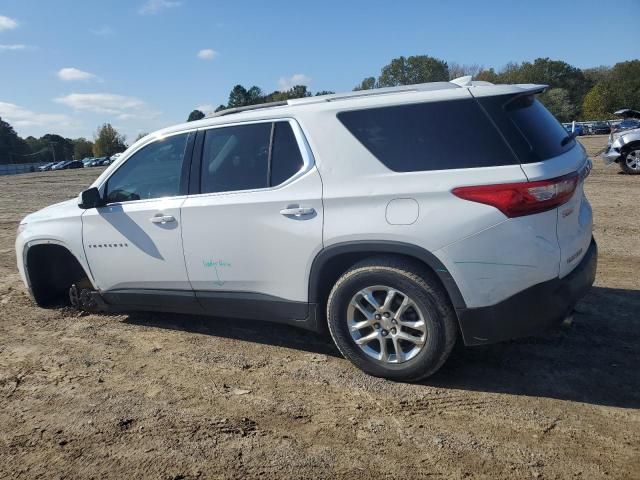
(254, 228)
(546, 151)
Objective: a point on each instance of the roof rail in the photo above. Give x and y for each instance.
(258, 106)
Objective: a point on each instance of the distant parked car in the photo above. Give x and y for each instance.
(600, 128)
(96, 162)
(579, 130)
(59, 165)
(87, 161)
(46, 167)
(73, 164)
(68, 164)
(628, 124)
(623, 147)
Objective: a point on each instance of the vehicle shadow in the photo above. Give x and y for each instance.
(595, 361)
(254, 331)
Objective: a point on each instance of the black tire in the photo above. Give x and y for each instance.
(634, 147)
(423, 288)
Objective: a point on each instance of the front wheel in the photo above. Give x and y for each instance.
(630, 161)
(392, 319)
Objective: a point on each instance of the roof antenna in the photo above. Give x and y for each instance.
(463, 81)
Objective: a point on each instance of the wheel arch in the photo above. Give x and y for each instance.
(50, 267)
(335, 259)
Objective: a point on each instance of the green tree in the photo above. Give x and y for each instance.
(108, 141)
(624, 84)
(598, 103)
(254, 96)
(324, 92)
(556, 74)
(141, 135)
(457, 70)
(12, 147)
(366, 84)
(82, 148)
(596, 74)
(489, 75)
(412, 70)
(195, 115)
(238, 97)
(61, 148)
(298, 91)
(559, 103)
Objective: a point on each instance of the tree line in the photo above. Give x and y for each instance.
(52, 147)
(573, 93)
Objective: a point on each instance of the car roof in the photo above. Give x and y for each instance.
(367, 98)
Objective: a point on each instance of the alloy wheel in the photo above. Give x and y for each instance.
(386, 324)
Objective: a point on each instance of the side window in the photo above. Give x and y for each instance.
(152, 172)
(236, 158)
(429, 136)
(286, 159)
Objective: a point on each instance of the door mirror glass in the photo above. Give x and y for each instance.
(90, 199)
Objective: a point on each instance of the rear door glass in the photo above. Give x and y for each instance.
(286, 159)
(429, 136)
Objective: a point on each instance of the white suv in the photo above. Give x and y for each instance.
(398, 218)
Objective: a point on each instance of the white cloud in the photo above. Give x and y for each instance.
(21, 117)
(102, 103)
(207, 54)
(206, 108)
(104, 31)
(71, 74)
(19, 46)
(153, 7)
(7, 23)
(285, 83)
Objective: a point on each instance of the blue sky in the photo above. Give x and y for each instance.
(67, 66)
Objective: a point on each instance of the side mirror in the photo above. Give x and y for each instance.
(91, 199)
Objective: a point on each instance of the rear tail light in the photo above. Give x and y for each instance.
(526, 198)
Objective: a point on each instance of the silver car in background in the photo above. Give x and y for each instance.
(623, 147)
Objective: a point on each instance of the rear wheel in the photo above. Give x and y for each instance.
(630, 161)
(392, 319)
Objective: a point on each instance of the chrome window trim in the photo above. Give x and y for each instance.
(123, 159)
(308, 160)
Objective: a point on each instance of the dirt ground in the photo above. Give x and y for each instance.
(177, 397)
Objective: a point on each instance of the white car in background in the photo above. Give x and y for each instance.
(623, 147)
(396, 219)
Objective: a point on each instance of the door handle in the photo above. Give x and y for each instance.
(297, 211)
(162, 219)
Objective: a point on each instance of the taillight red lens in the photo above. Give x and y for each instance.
(526, 198)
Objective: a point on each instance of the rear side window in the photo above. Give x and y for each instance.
(531, 130)
(286, 159)
(248, 157)
(429, 136)
(236, 158)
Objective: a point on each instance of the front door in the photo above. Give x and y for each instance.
(134, 243)
(251, 233)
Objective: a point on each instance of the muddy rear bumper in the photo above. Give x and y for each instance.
(531, 311)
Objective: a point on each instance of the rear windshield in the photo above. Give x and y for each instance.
(531, 130)
(429, 136)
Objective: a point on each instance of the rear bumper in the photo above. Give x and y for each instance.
(530, 311)
(610, 155)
